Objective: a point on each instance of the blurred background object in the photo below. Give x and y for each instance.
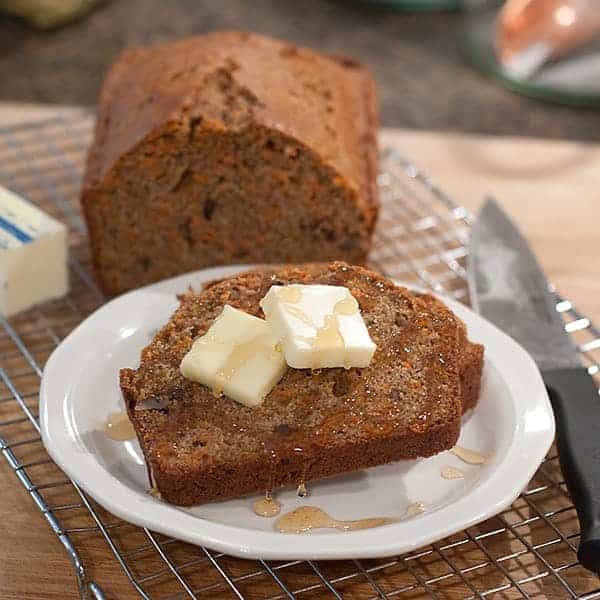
(48, 14)
(423, 81)
(546, 49)
(529, 33)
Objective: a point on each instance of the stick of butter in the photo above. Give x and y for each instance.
(237, 356)
(319, 326)
(33, 255)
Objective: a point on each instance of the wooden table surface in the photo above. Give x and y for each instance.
(552, 189)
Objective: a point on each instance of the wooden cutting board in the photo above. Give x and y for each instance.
(550, 188)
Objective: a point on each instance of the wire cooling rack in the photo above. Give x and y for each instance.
(527, 551)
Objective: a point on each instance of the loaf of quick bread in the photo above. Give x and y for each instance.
(229, 148)
(406, 404)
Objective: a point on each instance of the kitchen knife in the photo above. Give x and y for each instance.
(508, 287)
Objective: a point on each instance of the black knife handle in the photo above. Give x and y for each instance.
(576, 405)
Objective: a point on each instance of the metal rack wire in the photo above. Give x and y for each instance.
(527, 551)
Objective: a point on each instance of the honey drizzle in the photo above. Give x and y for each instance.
(118, 427)
(306, 518)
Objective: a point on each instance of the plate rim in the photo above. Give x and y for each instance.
(523, 456)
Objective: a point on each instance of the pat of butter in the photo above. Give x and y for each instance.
(237, 356)
(319, 326)
(33, 255)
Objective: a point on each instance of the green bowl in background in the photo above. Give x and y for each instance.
(415, 5)
(574, 81)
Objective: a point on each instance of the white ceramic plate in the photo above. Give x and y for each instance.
(513, 422)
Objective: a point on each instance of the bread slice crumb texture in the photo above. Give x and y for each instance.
(313, 424)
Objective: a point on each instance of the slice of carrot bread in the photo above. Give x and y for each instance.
(229, 148)
(406, 404)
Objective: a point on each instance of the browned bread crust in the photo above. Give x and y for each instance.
(471, 367)
(229, 148)
(314, 424)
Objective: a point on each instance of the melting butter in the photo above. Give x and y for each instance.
(322, 327)
(266, 506)
(306, 518)
(452, 473)
(118, 427)
(237, 358)
(416, 508)
(300, 315)
(328, 336)
(346, 306)
(289, 294)
(471, 457)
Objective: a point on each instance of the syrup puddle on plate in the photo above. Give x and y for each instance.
(471, 457)
(266, 506)
(118, 427)
(306, 518)
(452, 473)
(414, 509)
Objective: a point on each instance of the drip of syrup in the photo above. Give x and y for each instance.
(155, 493)
(266, 506)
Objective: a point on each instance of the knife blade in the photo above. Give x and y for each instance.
(508, 287)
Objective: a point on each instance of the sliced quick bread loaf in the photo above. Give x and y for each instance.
(229, 148)
(408, 403)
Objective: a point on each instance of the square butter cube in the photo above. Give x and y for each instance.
(33, 255)
(319, 326)
(237, 356)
